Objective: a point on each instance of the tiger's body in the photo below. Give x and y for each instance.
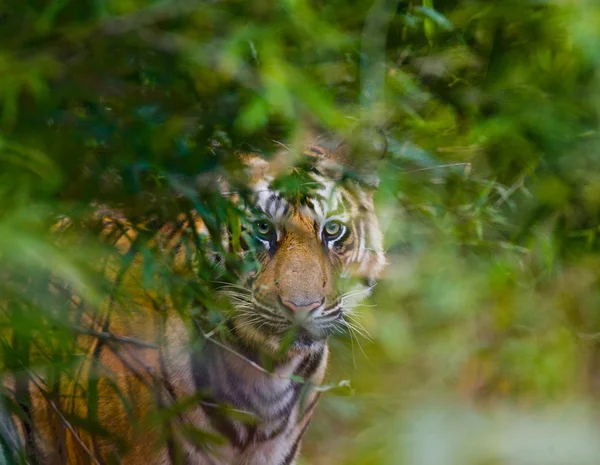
(303, 248)
(274, 399)
(281, 408)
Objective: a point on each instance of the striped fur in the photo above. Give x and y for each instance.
(321, 252)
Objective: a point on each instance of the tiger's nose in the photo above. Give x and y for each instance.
(303, 307)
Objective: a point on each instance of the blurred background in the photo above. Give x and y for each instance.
(482, 344)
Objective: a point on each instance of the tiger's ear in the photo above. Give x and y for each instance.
(361, 154)
(367, 143)
(254, 166)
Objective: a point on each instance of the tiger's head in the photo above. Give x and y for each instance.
(319, 254)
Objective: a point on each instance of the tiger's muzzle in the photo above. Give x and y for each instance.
(297, 280)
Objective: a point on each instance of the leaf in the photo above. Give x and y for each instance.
(432, 18)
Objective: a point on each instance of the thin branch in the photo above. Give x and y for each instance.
(63, 419)
(589, 336)
(237, 354)
(466, 165)
(299, 380)
(516, 186)
(107, 336)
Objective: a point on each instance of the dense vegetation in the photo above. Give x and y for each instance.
(483, 334)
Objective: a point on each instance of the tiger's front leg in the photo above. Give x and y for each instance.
(284, 448)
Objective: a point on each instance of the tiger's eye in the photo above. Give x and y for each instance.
(333, 229)
(263, 227)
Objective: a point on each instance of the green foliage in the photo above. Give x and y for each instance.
(484, 329)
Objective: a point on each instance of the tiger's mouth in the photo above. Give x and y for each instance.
(281, 322)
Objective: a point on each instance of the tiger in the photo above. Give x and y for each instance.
(308, 251)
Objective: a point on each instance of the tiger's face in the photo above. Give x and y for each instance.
(318, 256)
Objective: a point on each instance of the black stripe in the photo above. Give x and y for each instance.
(349, 242)
(310, 407)
(309, 365)
(269, 397)
(334, 310)
(270, 200)
(200, 371)
(237, 395)
(302, 431)
(250, 398)
(176, 455)
(220, 421)
(286, 409)
(216, 413)
(267, 311)
(331, 318)
(315, 149)
(203, 380)
(262, 437)
(292, 453)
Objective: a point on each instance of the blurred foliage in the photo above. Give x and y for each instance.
(484, 329)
